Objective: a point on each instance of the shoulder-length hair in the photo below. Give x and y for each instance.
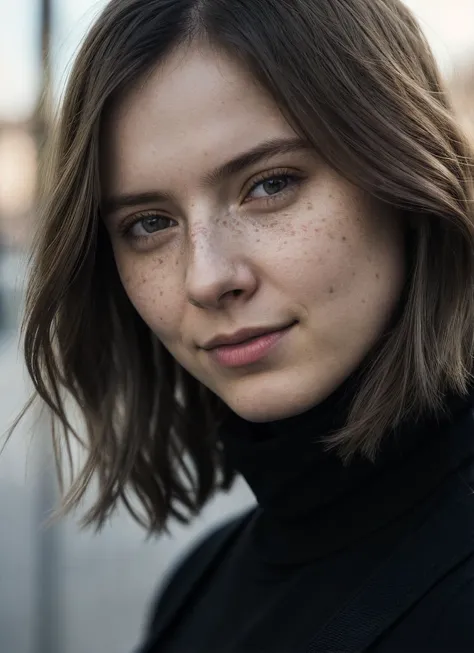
(357, 79)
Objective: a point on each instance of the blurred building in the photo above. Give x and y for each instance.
(462, 90)
(18, 162)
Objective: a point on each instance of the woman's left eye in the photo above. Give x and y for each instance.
(271, 186)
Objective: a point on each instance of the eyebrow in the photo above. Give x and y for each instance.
(112, 204)
(262, 152)
(258, 154)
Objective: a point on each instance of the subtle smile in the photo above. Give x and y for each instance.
(246, 346)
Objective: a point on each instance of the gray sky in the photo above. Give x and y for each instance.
(449, 25)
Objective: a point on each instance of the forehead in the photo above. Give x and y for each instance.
(197, 108)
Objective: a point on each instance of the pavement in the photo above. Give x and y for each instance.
(63, 590)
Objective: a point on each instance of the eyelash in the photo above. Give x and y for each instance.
(293, 178)
(294, 181)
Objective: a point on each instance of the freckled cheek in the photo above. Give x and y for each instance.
(312, 257)
(154, 298)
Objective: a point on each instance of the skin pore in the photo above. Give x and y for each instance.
(272, 239)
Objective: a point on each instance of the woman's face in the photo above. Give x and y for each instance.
(265, 274)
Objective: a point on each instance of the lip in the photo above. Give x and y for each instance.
(245, 346)
(241, 336)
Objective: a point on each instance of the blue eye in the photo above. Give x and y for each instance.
(272, 186)
(150, 224)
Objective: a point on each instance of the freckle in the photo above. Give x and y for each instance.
(285, 242)
(161, 293)
(310, 206)
(364, 301)
(258, 240)
(160, 261)
(344, 238)
(331, 290)
(377, 276)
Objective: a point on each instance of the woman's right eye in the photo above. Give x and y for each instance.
(148, 225)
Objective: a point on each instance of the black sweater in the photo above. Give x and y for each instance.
(273, 578)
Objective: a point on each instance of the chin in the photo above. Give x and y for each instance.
(265, 406)
(259, 414)
(277, 395)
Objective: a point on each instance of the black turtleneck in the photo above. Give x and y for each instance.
(319, 530)
(310, 503)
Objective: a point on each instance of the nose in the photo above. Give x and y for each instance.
(218, 271)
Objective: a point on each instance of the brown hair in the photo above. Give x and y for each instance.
(354, 77)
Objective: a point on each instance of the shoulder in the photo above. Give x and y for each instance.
(201, 552)
(442, 621)
(449, 606)
(192, 564)
(454, 628)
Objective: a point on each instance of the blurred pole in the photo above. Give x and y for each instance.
(47, 608)
(43, 109)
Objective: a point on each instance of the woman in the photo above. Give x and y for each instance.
(257, 256)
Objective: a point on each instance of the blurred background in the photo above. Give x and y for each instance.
(63, 590)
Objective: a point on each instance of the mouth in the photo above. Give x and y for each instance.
(246, 346)
(242, 336)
